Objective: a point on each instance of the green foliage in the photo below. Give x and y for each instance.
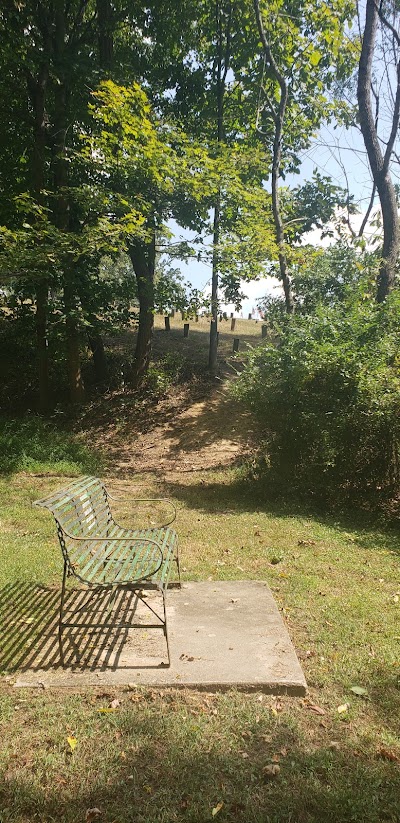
(166, 372)
(169, 290)
(34, 446)
(328, 395)
(312, 205)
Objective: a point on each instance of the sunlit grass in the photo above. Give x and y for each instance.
(162, 757)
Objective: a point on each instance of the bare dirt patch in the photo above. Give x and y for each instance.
(196, 426)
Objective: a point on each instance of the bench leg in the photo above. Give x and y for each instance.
(166, 631)
(60, 620)
(178, 566)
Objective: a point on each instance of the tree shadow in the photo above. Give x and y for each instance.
(242, 495)
(170, 775)
(29, 616)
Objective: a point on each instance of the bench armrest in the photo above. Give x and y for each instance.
(93, 538)
(149, 500)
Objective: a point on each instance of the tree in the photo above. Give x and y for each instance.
(380, 150)
(155, 171)
(304, 47)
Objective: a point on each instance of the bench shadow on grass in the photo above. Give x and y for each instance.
(29, 631)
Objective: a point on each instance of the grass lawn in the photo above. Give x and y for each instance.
(162, 756)
(166, 756)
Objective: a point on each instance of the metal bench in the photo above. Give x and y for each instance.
(108, 558)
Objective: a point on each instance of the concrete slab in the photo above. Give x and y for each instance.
(222, 635)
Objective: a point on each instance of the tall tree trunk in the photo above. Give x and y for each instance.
(99, 357)
(106, 33)
(62, 213)
(379, 162)
(143, 262)
(41, 320)
(279, 122)
(222, 67)
(37, 88)
(213, 350)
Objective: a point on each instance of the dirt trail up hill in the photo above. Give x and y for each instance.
(210, 433)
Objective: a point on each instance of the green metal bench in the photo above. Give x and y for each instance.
(106, 557)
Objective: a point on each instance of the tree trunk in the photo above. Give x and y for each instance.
(222, 67)
(75, 379)
(143, 262)
(212, 357)
(106, 33)
(99, 357)
(62, 210)
(37, 92)
(279, 121)
(42, 294)
(379, 163)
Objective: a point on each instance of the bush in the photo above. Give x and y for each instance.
(329, 398)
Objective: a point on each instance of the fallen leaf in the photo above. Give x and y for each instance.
(388, 754)
(216, 810)
(72, 742)
(105, 710)
(316, 709)
(343, 708)
(359, 690)
(92, 814)
(272, 770)
(115, 703)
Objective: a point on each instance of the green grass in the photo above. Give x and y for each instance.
(29, 444)
(162, 757)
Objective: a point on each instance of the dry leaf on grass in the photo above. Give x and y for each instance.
(388, 754)
(92, 814)
(72, 742)
(343, 708)
(316, 709)
(271, 771)
(217, 808)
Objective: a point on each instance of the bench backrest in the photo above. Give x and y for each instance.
(81, 509)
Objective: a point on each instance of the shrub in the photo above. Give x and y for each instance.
(328, 395)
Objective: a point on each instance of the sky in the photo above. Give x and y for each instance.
(336, 152)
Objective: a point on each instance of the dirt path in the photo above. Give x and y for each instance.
(214, 432)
